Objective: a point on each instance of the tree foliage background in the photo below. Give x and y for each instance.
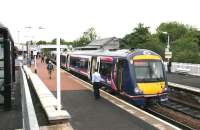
(184, 40)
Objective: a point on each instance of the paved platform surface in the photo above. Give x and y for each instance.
(88, 113)
(10, 120)
(189, 80)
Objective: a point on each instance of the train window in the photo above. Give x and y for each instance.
(1, 63)
(1, 49)
(1, 74)
(148, 71)
(105, 70)
(81, 63)
(74, 62)
(1, 82)
(62, 59)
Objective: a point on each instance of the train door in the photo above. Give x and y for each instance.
(89, 67)
(68, 62)
(119, 69)
(93, 66)
(122, 74)
(98, 63)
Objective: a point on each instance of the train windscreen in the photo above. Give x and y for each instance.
(148, 71)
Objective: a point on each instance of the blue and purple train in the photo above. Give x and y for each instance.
(137, 74)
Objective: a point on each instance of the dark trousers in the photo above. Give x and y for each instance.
(96, 86)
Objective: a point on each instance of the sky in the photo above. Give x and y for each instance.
(68, 19)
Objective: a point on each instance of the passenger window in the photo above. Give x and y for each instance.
(1, 62)
(84, 64)
(1, 50)
(105, 70)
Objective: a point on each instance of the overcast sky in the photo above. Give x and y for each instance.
(70, 18)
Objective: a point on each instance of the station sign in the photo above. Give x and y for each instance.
(168, 54)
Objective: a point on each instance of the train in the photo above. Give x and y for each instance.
(7, 65)
(136, 74)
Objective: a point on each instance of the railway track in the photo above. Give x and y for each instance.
(168, 119)
(185, 108)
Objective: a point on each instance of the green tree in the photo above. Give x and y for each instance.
(143, 39)
(41, 43)
(184, 41)
(86, 38)
(174, 29)
(138, 37)
(186, 50)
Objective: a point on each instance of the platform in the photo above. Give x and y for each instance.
(184, 79)
(86, 112)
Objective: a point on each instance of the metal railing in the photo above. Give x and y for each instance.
(193, 69)
(28, 112)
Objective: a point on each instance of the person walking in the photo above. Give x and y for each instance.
(30, 61)
(42, 58)
(50, 68)
(96, 78)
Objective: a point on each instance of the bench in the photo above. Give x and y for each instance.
(182, 70)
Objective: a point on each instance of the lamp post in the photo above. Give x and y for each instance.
(168, 54)
(58, 74)
(36, 50)
(168, 46)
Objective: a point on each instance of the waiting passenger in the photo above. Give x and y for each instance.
(169, 64)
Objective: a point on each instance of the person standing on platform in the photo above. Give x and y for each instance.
(169, 64)
(50, 68)
(30, 61)
(42, 58)
(96, 78)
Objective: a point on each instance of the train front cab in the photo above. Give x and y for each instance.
(150, 84)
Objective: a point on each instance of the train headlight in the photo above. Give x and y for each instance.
(138, 91)
(165, 89)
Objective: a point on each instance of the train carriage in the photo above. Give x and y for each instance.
(137, 74)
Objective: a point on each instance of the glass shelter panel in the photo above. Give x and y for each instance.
(1, 61)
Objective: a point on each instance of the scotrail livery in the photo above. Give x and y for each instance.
(136, 74)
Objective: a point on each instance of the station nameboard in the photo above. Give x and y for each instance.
(168, 54)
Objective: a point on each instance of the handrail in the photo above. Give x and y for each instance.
(29, 117)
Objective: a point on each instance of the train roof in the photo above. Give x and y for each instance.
(117, 53)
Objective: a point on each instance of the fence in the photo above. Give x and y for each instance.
(192, 69)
